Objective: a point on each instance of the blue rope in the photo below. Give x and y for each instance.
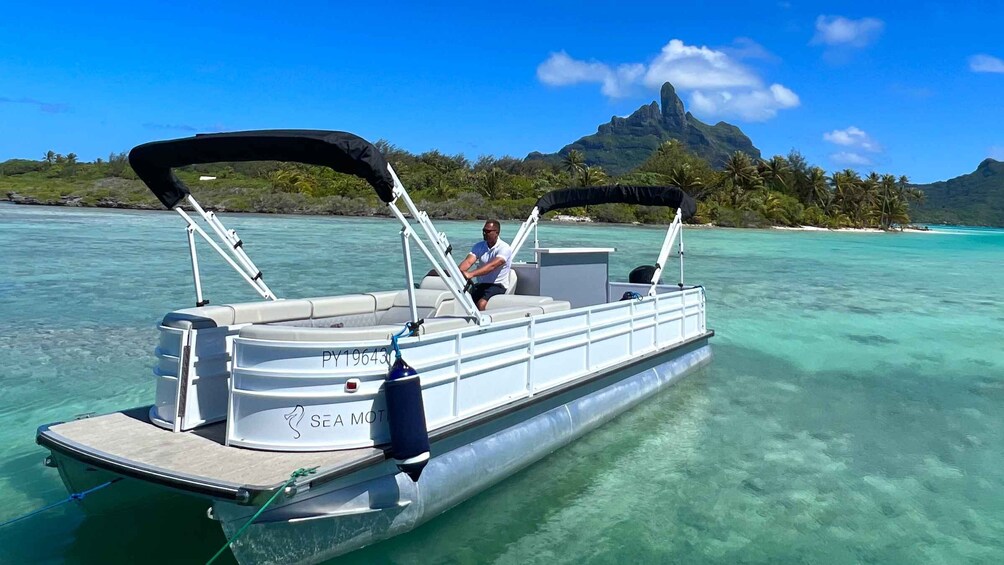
(74, 496)
(393, 340)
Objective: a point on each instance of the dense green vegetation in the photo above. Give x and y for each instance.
(975, 199)
(745, 193)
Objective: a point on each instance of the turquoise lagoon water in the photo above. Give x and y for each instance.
(852, 412)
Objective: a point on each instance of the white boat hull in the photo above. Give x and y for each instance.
(379, 502)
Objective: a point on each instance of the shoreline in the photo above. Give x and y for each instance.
(910, 229)
(560, 219)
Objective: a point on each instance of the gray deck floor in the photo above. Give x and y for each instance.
(129, 435)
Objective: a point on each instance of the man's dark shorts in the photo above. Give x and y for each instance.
(486, 291)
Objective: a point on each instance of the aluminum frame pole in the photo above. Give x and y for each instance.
(195, 267)
(408, 273)
(681, 256)
(235, 243)
(667, 244)
(524, 231)
(458, 293)
(442, 263)
(264, 294)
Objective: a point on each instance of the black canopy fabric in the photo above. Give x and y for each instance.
(670, 196)
(341, 151)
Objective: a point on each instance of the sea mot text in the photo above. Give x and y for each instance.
(354, 419)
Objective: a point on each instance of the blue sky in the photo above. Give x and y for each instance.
(908, 88)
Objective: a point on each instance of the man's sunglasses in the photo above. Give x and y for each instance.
(488, 231)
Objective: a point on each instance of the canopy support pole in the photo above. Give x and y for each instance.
(524, 232)
(265, 293)
(681, 257)
(441, 261)
(406, 234)
(195, 267)
(667, 244)
(236, 245)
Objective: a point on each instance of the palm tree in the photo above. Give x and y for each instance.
(819, 190)
(740, 177)
(845, 191)
(686, 178)
(868, 198)
(574, 162)
(887, 195)
(742, 172)
(50, 156)
(492, 183)
(592, 176)
(773, 171)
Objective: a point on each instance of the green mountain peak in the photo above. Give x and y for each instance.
(976, 198)
(625, 143)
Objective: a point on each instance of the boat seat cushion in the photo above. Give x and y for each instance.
(444, 324)
(432, 282)
(511, 300)
(200, 318)
(273, 311)
(435, 282)
(510, 285)
(384, 299)
(298, 333)
(427, 302)
(331, 306)
(513, 313)
(556, 306)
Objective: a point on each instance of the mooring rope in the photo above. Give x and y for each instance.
(73, 496)
(394, 338)
(301, 472)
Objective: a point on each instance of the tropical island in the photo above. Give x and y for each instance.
(718, 165)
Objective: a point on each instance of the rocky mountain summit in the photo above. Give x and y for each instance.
(625, 143)
(976, 198)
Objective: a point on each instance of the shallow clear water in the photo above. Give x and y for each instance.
(852, 412)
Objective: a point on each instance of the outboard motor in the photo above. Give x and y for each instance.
(409, 437)
(642, 274)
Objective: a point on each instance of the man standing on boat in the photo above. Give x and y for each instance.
(492, 256)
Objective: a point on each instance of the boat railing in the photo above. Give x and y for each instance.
(465, 369)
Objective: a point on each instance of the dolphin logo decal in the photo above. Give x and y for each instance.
(293, 419)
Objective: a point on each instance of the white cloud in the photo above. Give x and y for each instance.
(845, 32)
(560, 70)
(689, 67)
(754, 105)
(853, 137)
(850, 158)
(718, 83)
(984, 63)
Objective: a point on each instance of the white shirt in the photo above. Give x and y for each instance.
(485, 255)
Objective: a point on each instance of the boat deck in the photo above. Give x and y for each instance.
(127, 443)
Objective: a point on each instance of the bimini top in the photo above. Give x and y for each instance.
(670, 196)
(341, 151)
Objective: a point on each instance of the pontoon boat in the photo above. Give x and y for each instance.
(403, 402)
